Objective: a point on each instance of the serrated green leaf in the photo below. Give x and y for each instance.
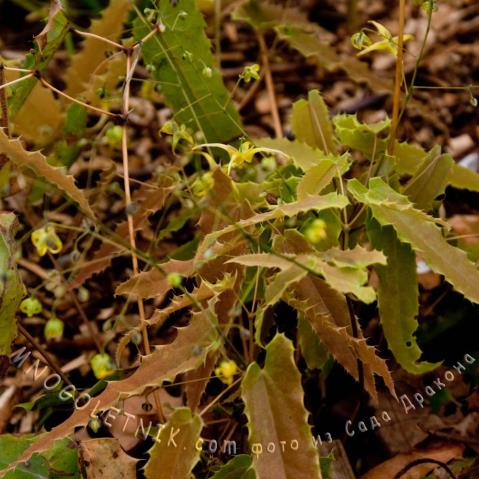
(313, 350)
(398, 297)
(179, 56)
(240, 467)
(348, 281)
(175, 458)
(311, 124)
(11, 286)
(408, 158)
(358, 257)
(281, 282)
(268, 393)
(345, 270)
(429, 180)
(360, 136)
(416, 228)
(317, 178)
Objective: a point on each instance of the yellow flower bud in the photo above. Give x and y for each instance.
(31, 306)
(226, 371)
(316, 231)
(102, 365)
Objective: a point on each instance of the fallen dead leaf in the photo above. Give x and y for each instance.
(104, 458)
(391, 467)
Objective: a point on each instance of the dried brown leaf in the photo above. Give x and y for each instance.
(103, 458)
(392, 466)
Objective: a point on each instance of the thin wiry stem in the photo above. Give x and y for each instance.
(398, 79)
(217, 398)
(98, 37)
(68, 97)
(15, 69)
(13, 82)
(412, 85)
(278, 130)
(43, 353)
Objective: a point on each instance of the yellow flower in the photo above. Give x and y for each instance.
(386, 41)
(45, 239)
(316, 231)
(226, 371)
(251, 72)
(244, 154)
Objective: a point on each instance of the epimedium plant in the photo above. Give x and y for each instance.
(304, 223)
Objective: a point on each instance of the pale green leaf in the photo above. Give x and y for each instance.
(422, 233)
(311, 124)
(344, 270)
(313, 350)
(302, 154)
(398, 297)
(327, 312)
(360, 136)
(175, 458)
(409, 159)
(429, 180)
(358, 257)
(263, 260)
(281, 282)
(347, 280)
(307, 40)
(263, 15)
(273, 399)
(317, 178)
